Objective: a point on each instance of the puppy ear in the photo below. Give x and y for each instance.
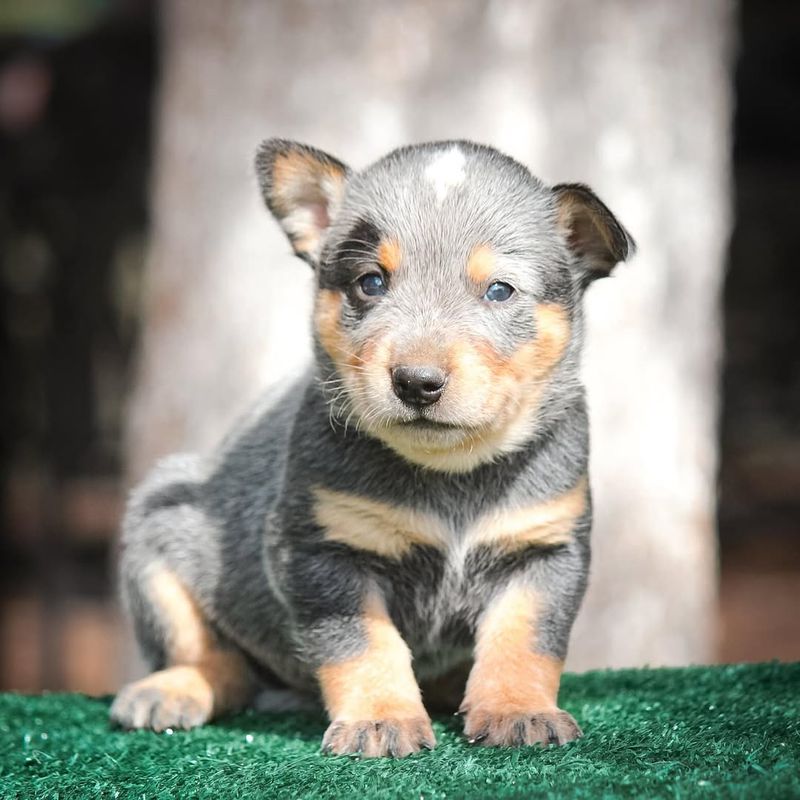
(592, 232)
(303, 188)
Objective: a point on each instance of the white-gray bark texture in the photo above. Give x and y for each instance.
(631, 97)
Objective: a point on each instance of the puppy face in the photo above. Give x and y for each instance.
(449, 280)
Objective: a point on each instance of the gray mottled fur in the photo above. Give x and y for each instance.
(237, 528)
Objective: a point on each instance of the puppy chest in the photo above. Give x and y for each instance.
(396, 532)
(439, 571)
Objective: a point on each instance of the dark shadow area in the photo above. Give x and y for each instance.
(759, 512)
(76, 99)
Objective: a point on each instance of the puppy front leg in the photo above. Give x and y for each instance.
(512, 689)
(373, 700)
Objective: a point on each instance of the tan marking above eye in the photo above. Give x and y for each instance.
(481, 263)
(387, 530)
(545, 524)
(389, 254)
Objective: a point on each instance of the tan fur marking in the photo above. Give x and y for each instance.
(501, 393)
(189, 639)
(327, 320)
(387, 530)
(481, 263)
(377, 684)
(389, 254)
(553, 332)
(305, 194)
(508, 677)
(514, 384)
(177, 684)
(298, 176)
(191, 646)
(358, 370)
(545, 525)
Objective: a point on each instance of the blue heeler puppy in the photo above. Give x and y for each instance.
(407, 525)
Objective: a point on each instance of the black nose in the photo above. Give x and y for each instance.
(418, 386)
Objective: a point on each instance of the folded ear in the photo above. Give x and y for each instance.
(592, 232)
(303, 188)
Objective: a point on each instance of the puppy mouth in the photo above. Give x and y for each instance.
(427, 431)
(422, 423)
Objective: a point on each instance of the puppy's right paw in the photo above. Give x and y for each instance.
(178, 697)
(395, 738)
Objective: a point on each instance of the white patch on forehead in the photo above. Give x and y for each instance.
(445, 171)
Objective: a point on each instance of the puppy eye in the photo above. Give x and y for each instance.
(498, 292)
(372, 284)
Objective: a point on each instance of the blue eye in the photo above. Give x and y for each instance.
(372, 284)
(498, 292)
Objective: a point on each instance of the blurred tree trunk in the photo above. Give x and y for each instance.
(633, 98)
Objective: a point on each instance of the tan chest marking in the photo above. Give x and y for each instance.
(391, 531)
(546, 524)
(381, 528)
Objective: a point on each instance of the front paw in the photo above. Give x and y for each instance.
(517, 729)
(378, 738)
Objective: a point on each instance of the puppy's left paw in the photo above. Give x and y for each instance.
(377, 738)
(515, 729)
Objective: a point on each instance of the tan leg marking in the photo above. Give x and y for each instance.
(389, 254)
(512, 691)
(481, 263)
(544, 525)
(389, 531)
(373, 699)
(202, 679)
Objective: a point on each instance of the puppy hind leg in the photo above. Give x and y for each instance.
(200, 676)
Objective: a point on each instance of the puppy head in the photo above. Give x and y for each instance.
(449, 279)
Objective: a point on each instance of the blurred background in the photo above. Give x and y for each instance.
(147, 298)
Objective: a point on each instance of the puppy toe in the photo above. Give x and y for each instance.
(379, 738)
(516, 729)
(162, 701)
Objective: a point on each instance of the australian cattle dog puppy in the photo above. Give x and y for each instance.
(406, 526)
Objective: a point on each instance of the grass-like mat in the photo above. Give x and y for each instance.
(699, 732)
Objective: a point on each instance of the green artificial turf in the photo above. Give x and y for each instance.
(716, 732)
